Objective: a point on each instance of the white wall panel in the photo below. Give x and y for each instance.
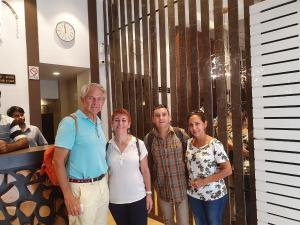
(258, 81)
(274, 219)
(278, 188)
(275, 35)
(277, 90)
(275, 24)
(275, 58)
(276, 68)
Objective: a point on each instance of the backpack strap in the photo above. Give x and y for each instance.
(106, 146)
(138, 148)
(149, 140)
(180, 135)
(74, 117)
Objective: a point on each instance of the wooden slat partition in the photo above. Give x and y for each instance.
(190, 55)
(183, 77)
(111, 53)
(125, 86)
(249, 109)
(220, 82)
(205, 66)
(234, 51)
(117, 56)
(130, 38)
(194, 102)
(106, 50)
(153, 53)
(138, 58)
(147, 94)
(172, 60)
(162, 50)
(132, 97)
(126, 101)
(139, 106)
(93, 40)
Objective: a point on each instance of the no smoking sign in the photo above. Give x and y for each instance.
(33, 72)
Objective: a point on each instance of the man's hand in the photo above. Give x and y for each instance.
(3, 146)
(72, 204)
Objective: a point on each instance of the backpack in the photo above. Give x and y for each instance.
(178, 133)
(48, 165)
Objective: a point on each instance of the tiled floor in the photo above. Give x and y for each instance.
(150, 221)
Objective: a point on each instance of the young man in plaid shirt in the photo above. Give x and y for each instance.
(166, 149)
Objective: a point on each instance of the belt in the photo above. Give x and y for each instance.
(87, 180)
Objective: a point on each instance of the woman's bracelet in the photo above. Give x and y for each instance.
(148, 192)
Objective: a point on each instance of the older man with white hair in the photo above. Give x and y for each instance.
(80, 160)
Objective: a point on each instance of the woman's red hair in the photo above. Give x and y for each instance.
(121, 111)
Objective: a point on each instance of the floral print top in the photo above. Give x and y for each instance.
(203, 162)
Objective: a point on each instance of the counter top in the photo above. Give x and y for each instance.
(23, 157)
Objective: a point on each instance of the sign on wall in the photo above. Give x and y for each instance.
(7, 78)
(33, 72)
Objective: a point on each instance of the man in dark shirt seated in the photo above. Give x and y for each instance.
(11, 136)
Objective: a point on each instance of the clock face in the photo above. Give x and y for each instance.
(65, 31)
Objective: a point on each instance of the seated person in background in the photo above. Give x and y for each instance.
(33, 133)
(11, 136)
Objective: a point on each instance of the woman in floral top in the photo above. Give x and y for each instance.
(207, 165)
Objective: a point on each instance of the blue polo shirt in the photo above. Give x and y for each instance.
(87, 158)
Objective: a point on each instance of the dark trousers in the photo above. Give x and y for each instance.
(130, 214)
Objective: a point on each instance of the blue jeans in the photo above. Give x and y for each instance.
(208, 212)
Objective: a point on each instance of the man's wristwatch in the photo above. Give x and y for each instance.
(148, 192)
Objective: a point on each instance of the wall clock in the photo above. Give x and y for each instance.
(65, 31)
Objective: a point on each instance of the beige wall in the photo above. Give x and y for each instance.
(82, 79)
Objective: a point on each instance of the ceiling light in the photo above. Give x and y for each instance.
(56, 73)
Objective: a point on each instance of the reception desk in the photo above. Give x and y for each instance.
(25, 196)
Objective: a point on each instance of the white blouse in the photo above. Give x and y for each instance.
(203, 162)
(126, 183)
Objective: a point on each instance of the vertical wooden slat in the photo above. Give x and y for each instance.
(139, 106)
(253, 212)
(220, 82)
(137, 37)
(145, 37)
(194, 78)
(153, 53)
(123, 37)
(132, 96)
(126, 102)
(93, 41)
(172, 59)
(147, 79)
(111, 53)
(139, 87)
(33, 60)
(183, 101)
(162, 50)
(130, 38)
(205, 67)
(117, 57)
(236, 111)
(108, 100)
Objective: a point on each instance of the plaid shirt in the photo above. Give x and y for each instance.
(166, 162)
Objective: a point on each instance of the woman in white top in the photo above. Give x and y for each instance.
(129, 177)
(207, 165)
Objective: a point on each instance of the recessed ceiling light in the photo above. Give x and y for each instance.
(56, 73)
